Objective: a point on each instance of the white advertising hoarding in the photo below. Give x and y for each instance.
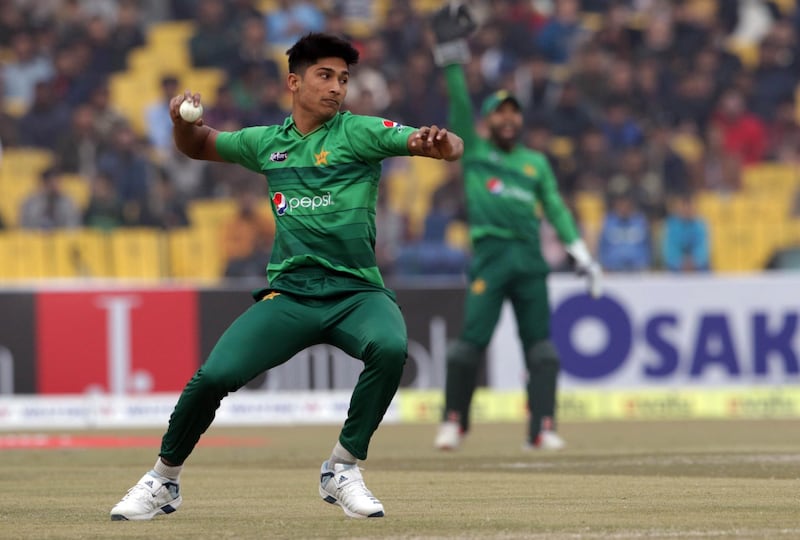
(667, 331)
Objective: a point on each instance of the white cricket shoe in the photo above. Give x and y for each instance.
(152, 495)
(546, 440)
(448, 437)
(344, 486)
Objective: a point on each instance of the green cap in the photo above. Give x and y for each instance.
(493, 101)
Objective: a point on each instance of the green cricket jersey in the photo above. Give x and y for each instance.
(324, 187)
(503, 188)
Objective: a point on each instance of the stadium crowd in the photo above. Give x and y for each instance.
(640, 103)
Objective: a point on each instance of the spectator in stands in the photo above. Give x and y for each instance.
(392, 231)
(693, 100)
(247, 237)
(165, 207)
(186, 175)
(251, 49)
(371, 75)
(12, 21)
(26, 69)
(617, 35)
(424, 100)
(72, 82)
(432, 254)
(591, 65)
(104, 210)
(246, 88)
(569, 118)
(642, 183)
(49, 208)
(106, 116)
(9, 129)
(78, 148)
(124, 163)
(290, 19)
(621, 85)
(159, 124)
(744, 136)
(538, 90)
(495, 61)
(721, 65)
(685, 245)
(242, 11)
(784, 133)
(45, 120)
(449, 199)
(562, 33)
(717, 170)
(778, 72)
(594, 164)
(103, 57)
(662, 159)
(214, 41)
(223, 108)
(658, 38)
(620, 128)
(624, 244)
(127, 33)
(403, 30)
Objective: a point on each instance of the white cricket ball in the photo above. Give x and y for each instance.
(189, 112)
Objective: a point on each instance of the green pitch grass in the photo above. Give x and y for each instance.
(619, 480)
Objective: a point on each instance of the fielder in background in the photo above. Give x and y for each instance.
(323, 168)
(504, 183)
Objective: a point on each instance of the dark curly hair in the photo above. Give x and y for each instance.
(314, 46)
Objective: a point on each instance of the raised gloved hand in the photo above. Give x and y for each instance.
(452, 24)
(585, 265)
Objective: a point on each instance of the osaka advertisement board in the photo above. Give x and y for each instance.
(647, 332)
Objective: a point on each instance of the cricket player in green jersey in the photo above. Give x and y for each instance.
(505, 182)
(323, 168)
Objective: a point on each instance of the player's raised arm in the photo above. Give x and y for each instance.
(451, 25)
(193, 138)
(436, 143)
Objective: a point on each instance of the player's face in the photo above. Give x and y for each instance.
(322, 88)
(505, 124)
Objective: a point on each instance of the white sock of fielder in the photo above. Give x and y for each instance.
(170, 472)
(341, 455)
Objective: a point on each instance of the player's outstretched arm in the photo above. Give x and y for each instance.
(436, 143)
(194, 139)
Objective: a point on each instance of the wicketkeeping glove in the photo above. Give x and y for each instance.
(586, 266)
(451, 25)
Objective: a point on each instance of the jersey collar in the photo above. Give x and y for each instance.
(288, 124)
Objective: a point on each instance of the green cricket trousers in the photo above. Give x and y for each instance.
(366, 325)
(515, 270)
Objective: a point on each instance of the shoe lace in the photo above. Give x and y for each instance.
(355, 488)
(139, 491)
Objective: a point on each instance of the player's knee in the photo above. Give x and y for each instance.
(461, 352)
(542, 355)
(214, 382)
(389, 352)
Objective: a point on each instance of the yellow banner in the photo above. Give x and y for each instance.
(588, 405)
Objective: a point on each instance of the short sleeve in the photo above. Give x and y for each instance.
(373, 138)
(243, 146)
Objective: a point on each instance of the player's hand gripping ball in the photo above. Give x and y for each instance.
(189, 112)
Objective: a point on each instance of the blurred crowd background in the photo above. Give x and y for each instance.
(673, 128)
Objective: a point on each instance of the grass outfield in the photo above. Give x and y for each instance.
(695, 479)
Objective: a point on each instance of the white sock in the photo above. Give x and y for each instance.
(341, 455)
(169, 472)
